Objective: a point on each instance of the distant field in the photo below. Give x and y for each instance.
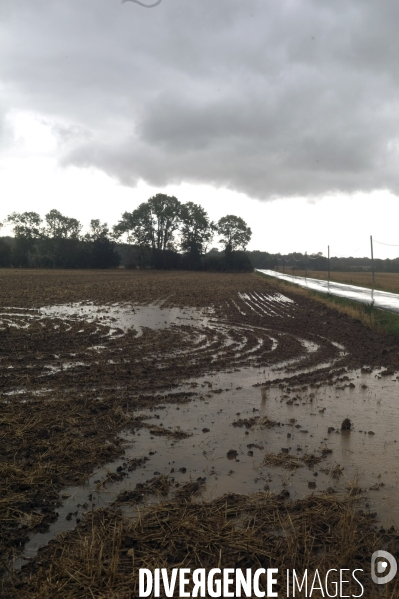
(387, 281)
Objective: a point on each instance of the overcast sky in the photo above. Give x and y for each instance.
(284, 112)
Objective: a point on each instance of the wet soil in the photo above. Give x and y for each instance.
(87, 359)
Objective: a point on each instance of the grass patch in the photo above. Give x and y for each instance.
(376, 319)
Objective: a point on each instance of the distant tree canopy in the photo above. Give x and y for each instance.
(57, 242)
(159, 233)
(196, 231)
(152, 225)
(235, 233)
(162, 225)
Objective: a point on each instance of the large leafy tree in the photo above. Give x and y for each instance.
(196, 230)
(98, 230)
(61, 240)
(152, 224)
(59, 226)
(137, 228)
(235, 232)
(27, 231)
(165, 212)
(26, 224)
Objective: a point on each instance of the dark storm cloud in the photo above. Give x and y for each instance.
(268, 98)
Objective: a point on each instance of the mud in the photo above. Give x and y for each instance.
(109, 381)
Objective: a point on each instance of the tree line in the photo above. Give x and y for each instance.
(57, 242)
(159, 233)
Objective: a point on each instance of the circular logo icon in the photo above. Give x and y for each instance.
(380, 560)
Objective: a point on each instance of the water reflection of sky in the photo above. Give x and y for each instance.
(125, 317)
(369, 453)
(380, 299)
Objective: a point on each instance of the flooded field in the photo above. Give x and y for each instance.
(182, 393)
(385, 281)
(371, 297)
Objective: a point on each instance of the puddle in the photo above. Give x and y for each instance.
(380, 299)
(112, 320)
(120, 318)
(370, 451)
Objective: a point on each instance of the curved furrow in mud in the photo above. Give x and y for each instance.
(127, 342)
(261, 306)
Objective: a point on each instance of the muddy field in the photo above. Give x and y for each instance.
(205, 401)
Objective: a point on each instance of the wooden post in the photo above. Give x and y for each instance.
(372, 257)
(328, 262)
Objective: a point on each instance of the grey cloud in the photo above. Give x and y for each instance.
(267, 98)
(7, 138)
(68, 135)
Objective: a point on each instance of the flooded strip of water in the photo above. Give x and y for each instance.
(380, 299)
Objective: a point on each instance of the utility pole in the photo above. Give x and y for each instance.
(306, 264)
(328, 259)
(372, 257)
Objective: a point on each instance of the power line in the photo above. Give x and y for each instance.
(395, 245)
(304, 257)
(287, 257)
(359, 248)
(142, 3)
